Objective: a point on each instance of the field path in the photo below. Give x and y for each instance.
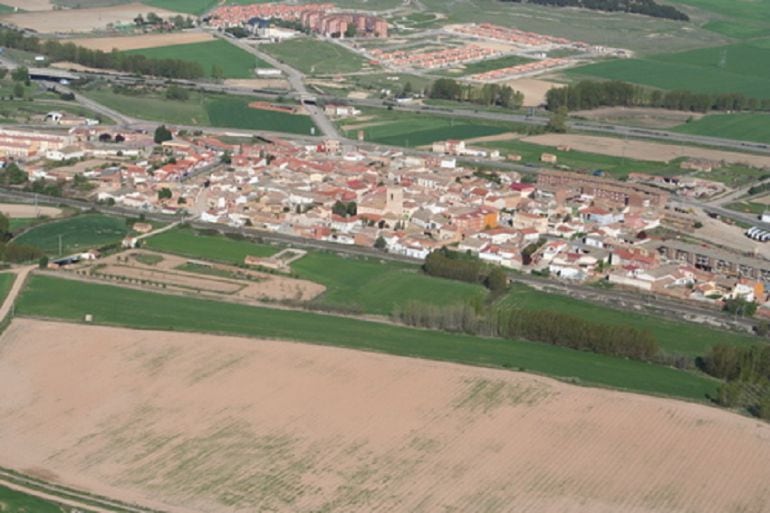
(18, 284)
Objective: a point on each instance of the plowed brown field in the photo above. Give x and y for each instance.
(188, 422)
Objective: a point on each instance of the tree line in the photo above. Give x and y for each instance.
(453, 265)
(588, 94)
(746, 371)
(644, 7)
(550, 327)
(488, 94)
(129, 63)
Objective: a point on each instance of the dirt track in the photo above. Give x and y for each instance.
(226, 424)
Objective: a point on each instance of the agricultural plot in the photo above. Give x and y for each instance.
(639, 33)
(79, 233)
(744, 127)
(184, 241)
(379, 287)
(314, 57)
(415, 129)
(368, 285)
(735, 19)
(234, 62)
(225, 424)
(617, 166)
(51, 298)
(123, 43)
(235, 113)
(86, 20)
(196, 7)
(12, 501)
(203, 110)
(724, 69)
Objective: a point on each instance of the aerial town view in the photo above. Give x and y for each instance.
(469, 256)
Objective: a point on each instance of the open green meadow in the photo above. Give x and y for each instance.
(734, 68)
(366, 284)
(234, 112)
(400, 128)
(78, 233)
(377, 287)
(185, 242)
(642, 34)
(52, 298)
(195, 7)
(202, 110)
(743, 127)
(738, 19)
(6, 282)
(314, 57)
(235, 62)
(618, 167)
(12, 501)
(4, 9)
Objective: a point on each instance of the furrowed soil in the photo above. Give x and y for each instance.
(189, 422)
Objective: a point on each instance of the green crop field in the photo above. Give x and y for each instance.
(735, 19)
(184, 241)
(616, 166)
(234, 112)
(235, 62)
(6, 282)
(314, 57)
(371, 285)
(674, 337)
(724, 69)
(12, 501)
(399, 128)
(744, 127)
(78, 233)
(203, 110)
(185, 6)
(52, 298)
(377, 286)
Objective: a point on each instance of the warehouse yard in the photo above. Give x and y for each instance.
(188, 422)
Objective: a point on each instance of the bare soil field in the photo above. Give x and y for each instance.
(188, 422)
(258, 83)
(30, 5)
(81, 20)
(106, 44)
(646, 118)
(17, 210)
(644, 150)
(534, 89)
